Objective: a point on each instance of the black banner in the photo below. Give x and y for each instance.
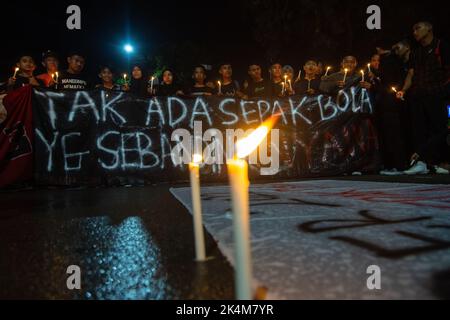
(98, 137)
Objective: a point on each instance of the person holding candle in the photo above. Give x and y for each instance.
(50, 62)
(226, 84)
(428, 86)
(255, 86)
(74, 78)
(346, 77)
(199, 88)
(23, 74)
(278, 85)
(168, 86)
(311, 82)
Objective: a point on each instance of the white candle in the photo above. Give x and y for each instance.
(56, 76)
(283, 88)
(194, 170)
(151, 84)
(125, 78)
(220, 87)
(15, 72)
(299, 77)
(345, 74)
(362, 75)
(368, 67)
(290, 85)
(285, 80)
(238, 176)
(328, 69)
(309, 84)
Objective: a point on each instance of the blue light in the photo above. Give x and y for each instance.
(128, 48)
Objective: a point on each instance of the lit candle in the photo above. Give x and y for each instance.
(15, 72)
(283, 88)
(125, 78)
(309, 84)
(238, 176)
(362, 75)
(56, 76)
(395, 90)
(220, 87)
(194, 170)
(151, 84)
(368, 67)
(285, 80)
(328, 69)
(290, 85)
(345, 74)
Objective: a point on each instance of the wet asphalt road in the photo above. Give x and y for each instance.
(130, 243)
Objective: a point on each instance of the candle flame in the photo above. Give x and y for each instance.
(362, 71)
(346, 70)
(248, 144)
(328, 68)
(124, 75)
(394, 89)
(197, 158)
(16, 69)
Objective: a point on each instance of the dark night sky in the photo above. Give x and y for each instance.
(214, 30)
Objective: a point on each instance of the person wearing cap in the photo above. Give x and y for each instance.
(50, 62)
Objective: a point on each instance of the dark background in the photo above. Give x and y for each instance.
(181, 34)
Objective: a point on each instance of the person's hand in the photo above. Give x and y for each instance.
(365, 85)
(371, 75)
(382, 51)
(11, 81)
(310, 91)
(34, 82)
(126, 87)
(179, 93)
(400, 95)
(341, 84)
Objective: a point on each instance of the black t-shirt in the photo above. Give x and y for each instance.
(229, 89)
(430, 66)
(301, 86)
(258, 89)
(276, 89)
(167, 90)
(200, 91)
(70, 81)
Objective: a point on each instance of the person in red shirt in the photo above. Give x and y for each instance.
(50, 62)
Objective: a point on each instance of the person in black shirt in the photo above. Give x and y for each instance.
(168, 86)
(279, 86)
(256, 86)
(199, 88)
(310, 83)
(227, 86)
(107, 77)
(426, 85)
(138, 84)
(73, 78)
(24, 74)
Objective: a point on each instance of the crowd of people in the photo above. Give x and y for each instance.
(411, 119)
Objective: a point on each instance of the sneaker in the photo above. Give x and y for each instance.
(440, 170)
(419, 168)
(391, 172)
